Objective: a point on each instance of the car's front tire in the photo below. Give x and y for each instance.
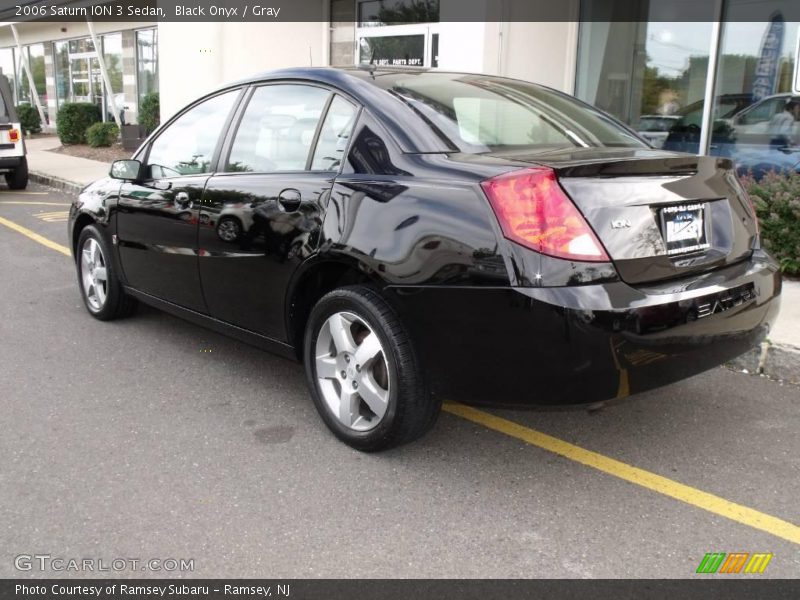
(101, 289)
(363, 374)
(18, 178)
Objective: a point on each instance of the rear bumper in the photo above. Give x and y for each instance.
(10, 162)
(586, 344)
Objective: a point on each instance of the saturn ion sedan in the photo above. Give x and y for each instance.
(412, 236)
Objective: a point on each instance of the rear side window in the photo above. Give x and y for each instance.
(277, 130)
(482, 114)
(334, 135)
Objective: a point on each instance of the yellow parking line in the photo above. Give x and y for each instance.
(59, 216)
(33, 202)
(35, 236)
(657, 483)
(646, 479)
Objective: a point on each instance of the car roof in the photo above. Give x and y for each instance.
(363, 85)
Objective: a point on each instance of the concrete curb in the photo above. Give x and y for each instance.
(776, 361)
(55, 182)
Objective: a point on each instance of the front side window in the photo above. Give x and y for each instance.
(334, 135)
(277, 129)
(763, 112)
(186, 146)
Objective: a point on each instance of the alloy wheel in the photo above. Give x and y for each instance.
(228, 230)
(94, 275)
(352, 371)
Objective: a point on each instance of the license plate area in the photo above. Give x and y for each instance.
(684, 228)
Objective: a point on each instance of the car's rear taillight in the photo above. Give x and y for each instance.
(534, 211)
(13, 135)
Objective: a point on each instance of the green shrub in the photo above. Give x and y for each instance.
(73, 119)
(102, 134)
(29, 118)
(776, 197)
(150, 112)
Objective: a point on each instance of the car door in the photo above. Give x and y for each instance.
(262, 213)
(158, 216)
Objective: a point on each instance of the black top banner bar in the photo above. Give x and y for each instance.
(713, 588)
(393, 12)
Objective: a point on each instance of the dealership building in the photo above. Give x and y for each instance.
(699, 61)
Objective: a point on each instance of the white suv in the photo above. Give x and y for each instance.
(13, 162)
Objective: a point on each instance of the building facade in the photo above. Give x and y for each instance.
(709, 80)
(64, 65)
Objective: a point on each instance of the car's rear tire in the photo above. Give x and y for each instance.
(101, 289)
(363, 373)
(18, 178)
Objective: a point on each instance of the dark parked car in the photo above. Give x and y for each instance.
(412, 236)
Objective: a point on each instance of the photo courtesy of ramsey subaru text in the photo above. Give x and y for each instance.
(419, 236)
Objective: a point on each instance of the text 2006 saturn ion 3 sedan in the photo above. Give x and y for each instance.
(412, 236)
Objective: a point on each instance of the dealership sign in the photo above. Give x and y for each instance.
(768, 64)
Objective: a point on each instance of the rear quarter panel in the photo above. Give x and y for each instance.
(412, 219)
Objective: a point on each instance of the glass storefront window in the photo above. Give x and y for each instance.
(393, 50)
(398, 33)
(78, 77)
(81, 45)
(755, 72)
(61, 64)
(35, 56)
(112, 56)
(146, 61)
(647, 74)
(372, 13)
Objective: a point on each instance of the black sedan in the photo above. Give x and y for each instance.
(412, 236)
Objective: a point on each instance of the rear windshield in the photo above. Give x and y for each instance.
(483, 114)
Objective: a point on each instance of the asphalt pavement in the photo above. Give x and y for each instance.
(151, 438)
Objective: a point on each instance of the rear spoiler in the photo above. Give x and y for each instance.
(8, 101)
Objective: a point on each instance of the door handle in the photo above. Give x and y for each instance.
(182, 200)
(290, 199)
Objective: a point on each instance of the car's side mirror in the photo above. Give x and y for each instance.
(127, 170)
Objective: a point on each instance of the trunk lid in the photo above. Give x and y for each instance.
(659, 214)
